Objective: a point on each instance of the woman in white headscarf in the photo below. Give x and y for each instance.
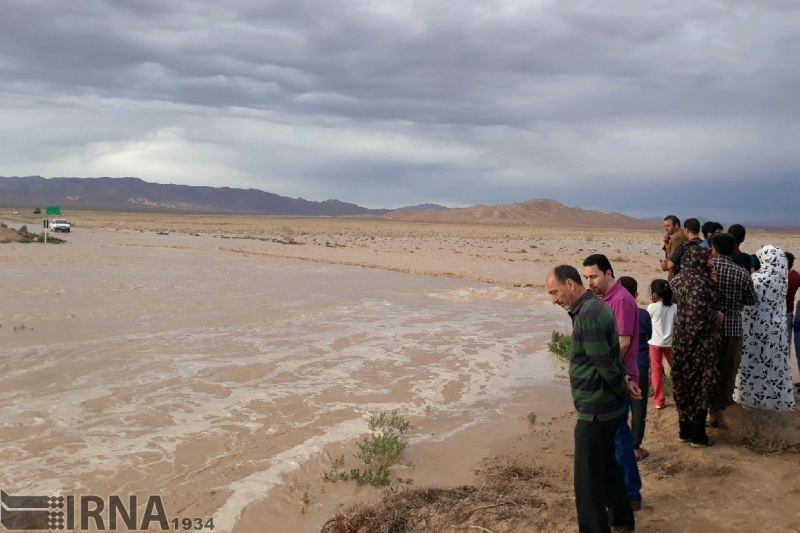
(764, 379)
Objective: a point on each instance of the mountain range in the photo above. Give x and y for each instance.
(134, 194)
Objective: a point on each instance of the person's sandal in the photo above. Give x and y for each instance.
(710, 441)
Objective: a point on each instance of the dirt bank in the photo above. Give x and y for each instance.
(527, 485)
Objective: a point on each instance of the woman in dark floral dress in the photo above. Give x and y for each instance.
(695, 344)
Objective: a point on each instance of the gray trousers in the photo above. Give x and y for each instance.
(730, 359)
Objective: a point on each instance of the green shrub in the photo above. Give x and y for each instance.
(378, 451)
(383, 448)
(560, 345)
(389, 421)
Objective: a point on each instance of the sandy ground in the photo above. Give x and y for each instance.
(516, 256)
(219, 367)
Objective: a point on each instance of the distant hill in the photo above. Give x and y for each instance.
(533, 212)
(773, 224)
(702, 219)
(425, 207)
(137, 194)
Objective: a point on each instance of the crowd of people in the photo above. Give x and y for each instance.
(723, 321)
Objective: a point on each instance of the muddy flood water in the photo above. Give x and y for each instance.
(133, 363)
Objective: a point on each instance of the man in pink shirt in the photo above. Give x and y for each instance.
(792, 318)
(598, 272)
(600, 276)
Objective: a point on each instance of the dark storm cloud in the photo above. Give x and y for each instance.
(451, 60)
(516, 98)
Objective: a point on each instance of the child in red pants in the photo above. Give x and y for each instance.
(662, 315)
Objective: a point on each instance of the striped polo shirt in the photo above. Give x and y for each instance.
(596, 371)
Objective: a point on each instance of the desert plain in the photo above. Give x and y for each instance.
(225, 361)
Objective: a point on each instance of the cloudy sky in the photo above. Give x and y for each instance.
(686, 106)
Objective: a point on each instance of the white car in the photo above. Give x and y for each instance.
(59, 224)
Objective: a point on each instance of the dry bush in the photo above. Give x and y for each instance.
(393, 513)
(763, 431)
(502, 473)
(287, 233)
(510, 496)
(676, 465)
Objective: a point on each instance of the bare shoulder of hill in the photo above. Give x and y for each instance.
(538, 212)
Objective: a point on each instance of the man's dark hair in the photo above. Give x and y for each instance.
(565, 272)
(738, 232)
(723, 243)
(790, 259)
(601, 261)
(710, 228)
(675, 220)
(630, 284)
(693, 225)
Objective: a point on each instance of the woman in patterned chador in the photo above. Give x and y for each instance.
(696, 338)
(764, 379)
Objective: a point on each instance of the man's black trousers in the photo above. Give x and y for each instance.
(600, 493)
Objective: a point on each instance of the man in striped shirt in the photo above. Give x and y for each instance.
(600, 385)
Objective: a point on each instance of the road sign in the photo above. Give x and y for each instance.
(46, 223)
(53, 210)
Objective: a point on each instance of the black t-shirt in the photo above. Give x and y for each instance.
(746, 261)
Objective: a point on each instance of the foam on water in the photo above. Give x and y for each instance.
(255, 486)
